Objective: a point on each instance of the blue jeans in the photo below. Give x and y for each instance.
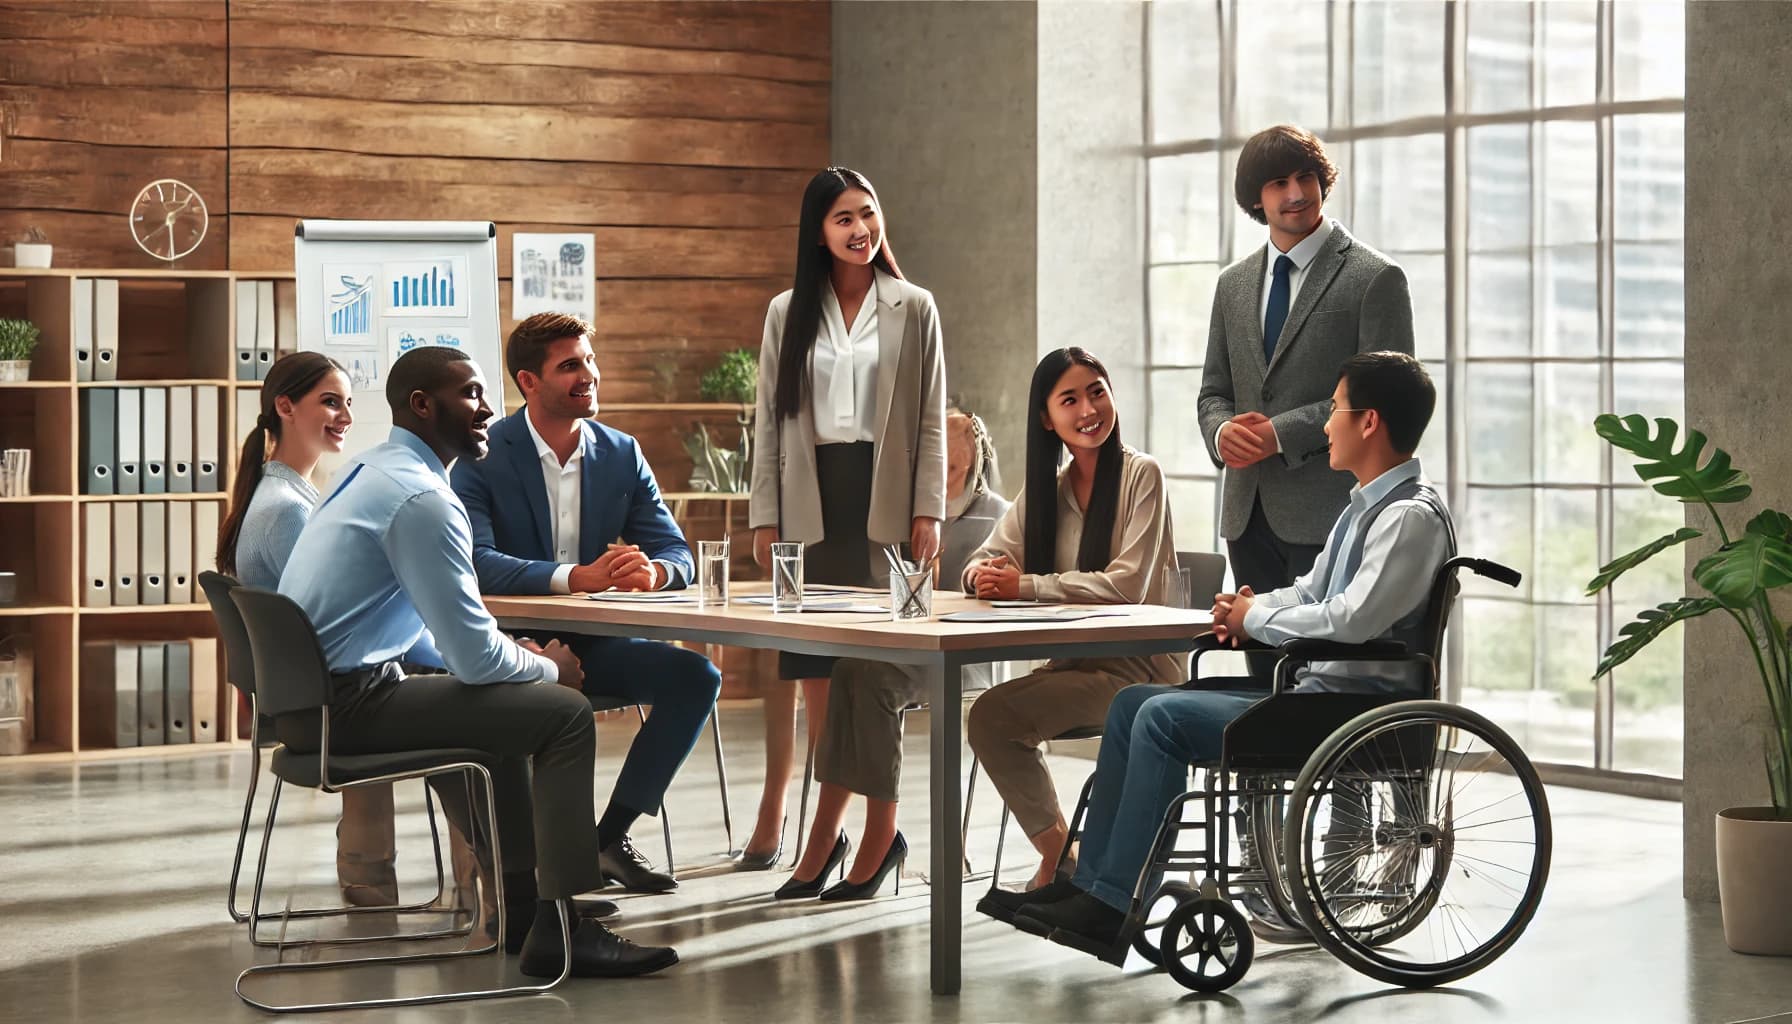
(1150, 739)
(681, 687)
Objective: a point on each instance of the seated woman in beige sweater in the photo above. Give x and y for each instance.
(1095, 531)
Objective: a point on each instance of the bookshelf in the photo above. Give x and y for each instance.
(176, 328)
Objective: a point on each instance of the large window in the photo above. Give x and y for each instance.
(1523, 162)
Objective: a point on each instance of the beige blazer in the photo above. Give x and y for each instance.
(908, 469)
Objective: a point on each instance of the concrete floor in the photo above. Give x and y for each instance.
(113, 910)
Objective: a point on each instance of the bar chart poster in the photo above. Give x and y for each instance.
(348, 304)
(552, 274)
(432, 288)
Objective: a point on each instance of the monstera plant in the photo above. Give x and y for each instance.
(1738, 579)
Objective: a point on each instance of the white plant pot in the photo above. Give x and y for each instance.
(15, 369)
(31, 254)
(1754, 846)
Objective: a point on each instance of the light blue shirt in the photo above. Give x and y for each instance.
(277, 513)
(385, 571)
(1407, 544)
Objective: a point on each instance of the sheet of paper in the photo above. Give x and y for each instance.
(1030, 615)
(645, 596)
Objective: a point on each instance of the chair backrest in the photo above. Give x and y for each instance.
(1206, 575)
(239, 664)
(1444, 588)
(290, 671)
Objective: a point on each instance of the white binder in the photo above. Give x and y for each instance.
(205, 689)
(152, 554)
(124, 552)
(264, 328)
(82, 328)
(248, 411)
(205, 535)
(245, 330)
(105, 329)
(207, 470)
(180, 552)
(130, 441)
(180, 439)
(96, 555)
(155, 440)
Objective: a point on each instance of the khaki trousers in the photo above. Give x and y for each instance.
(1008, 723)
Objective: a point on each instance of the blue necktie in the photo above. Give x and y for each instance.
(1277, 313)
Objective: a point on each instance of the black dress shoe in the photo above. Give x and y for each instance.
(1082, 922)
(893, 861)
(623, 864)
(1002, 904)
(798, 890)
(597, 952)
(518, 923)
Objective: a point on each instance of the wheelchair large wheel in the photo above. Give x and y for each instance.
(1418, 840)
(1207, 945)
(1267, 904)
(1147, 938)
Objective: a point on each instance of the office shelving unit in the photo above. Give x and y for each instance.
(175, 327)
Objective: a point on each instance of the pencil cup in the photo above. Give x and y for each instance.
(787, 576)
(911, 596)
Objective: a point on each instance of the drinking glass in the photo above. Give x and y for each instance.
(712, 573)
(1177, 583)
(787, 576)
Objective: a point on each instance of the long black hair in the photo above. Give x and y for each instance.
(813, 263)
(293, 377)
(1045, 451)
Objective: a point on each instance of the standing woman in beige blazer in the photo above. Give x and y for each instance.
(849, 448)
(1091, 530)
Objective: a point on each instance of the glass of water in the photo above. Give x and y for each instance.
(1177, 583)
(787, 576)
(911, 596)
(712, 574)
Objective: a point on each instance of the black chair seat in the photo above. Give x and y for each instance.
(1081, 732)
(301, 769)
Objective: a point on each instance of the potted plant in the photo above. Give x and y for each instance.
(17, 339)
(1754, 844)
(32, 249)
(735, 379)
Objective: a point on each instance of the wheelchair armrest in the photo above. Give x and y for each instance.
(1332, 650)
(1207, 643)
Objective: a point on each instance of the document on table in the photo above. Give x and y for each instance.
(1035, 614)
(824, 602)
(645, 596)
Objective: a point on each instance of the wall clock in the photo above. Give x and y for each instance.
(168, 219)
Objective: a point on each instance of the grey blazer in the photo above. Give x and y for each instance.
(908, 469)
(1354, 299)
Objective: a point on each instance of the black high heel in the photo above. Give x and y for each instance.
(798, 890)
(760, 861)
(893, 861)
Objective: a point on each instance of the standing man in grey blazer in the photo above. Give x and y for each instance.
(1284, 320)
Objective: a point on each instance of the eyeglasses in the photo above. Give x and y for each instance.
(1331, 409)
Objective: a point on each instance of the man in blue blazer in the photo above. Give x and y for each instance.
(564, 504)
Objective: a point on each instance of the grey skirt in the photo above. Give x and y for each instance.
(843, 554)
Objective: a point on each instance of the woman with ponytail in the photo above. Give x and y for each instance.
(1091, 530)
(304, 414)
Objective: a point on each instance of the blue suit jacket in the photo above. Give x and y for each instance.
(507, 501)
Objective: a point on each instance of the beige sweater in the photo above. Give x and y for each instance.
(1142, 547)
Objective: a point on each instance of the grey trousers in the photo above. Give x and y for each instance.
(861, 745)
(543, 737)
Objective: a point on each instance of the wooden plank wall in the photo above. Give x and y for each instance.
(681, 134)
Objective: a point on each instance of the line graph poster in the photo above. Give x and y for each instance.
(348, 303)
(552, 274)
(434, 288)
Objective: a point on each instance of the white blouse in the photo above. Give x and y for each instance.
(843, 371)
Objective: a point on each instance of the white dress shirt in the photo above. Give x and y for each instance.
(843, 371)
(1406, 546)
(565, 484)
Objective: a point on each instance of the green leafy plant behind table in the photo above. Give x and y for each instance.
(735, 379)
(1738, 578)
(17, 339)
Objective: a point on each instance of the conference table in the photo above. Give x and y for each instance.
(941, 649)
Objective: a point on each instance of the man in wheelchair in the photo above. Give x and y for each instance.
(1370, 582)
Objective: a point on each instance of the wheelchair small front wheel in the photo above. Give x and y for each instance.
(1147, 938)
(1207, 945)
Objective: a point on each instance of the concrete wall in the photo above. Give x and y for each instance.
(936, 104)
(1738, 366)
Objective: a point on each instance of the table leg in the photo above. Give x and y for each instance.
(945, 689)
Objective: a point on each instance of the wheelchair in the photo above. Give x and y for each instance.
(1409, 838)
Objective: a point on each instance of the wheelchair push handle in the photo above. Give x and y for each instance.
(1489, 569)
